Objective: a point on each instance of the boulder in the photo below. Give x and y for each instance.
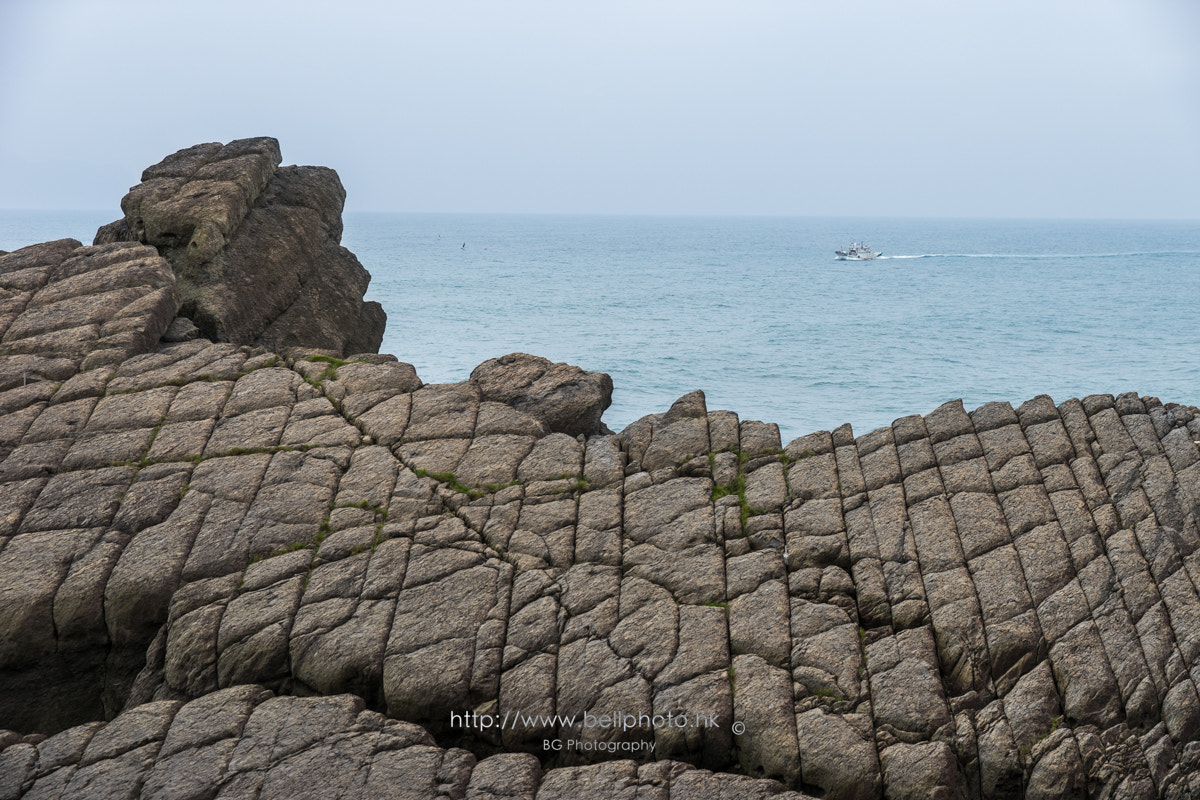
(181, 329)
(113, 232)
(255, 247)
(564, 397)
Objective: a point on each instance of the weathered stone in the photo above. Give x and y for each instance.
(928, 770)
(762, 702)
(565, 398)
(826, 657)
(255, 248)
(835, 757)
(966, 604)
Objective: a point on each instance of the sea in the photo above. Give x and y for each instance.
(758, 313)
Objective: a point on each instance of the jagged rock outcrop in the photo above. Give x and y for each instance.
(255, 247)
(232, 572)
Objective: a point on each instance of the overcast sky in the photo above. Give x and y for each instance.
(1021, 108)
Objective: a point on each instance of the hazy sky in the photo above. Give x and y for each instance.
(1022, 108)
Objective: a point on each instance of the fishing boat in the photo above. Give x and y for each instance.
(857, 252)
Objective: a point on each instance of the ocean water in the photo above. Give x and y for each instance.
(759, 314)
(21, 228)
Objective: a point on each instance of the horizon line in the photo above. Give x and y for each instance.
(689, 215)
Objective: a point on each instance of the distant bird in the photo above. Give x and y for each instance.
(464, 247)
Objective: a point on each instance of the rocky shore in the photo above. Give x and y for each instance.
(242, 555)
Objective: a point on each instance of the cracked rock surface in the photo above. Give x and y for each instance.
(246, 742)
(232, 572)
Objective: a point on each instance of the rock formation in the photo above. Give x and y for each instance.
(230, 572)
(564, 397)
(255, 247)
(66, 308)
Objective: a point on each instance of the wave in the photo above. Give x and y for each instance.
(1149, 253)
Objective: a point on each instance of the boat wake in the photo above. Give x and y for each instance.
(1047, 255)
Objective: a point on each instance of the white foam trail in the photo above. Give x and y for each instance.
(1046, 255)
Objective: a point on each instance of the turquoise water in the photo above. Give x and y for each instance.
(759, 314)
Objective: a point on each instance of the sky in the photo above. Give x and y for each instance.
(927, 108)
